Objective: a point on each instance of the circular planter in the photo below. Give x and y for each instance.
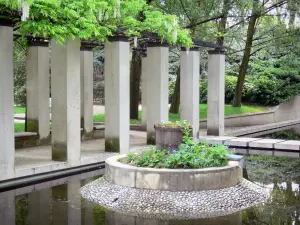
(172, 179)
(166, 137)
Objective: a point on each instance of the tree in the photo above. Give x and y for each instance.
(135, 80)
(244, 66)
(176, 95)
(260, 13)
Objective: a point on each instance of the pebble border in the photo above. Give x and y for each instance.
(165, 205)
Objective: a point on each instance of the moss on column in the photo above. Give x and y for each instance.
(59, 151)
(112, 145)
(32, 125)
(151, 138)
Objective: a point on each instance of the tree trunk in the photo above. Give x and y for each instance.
(222, 24)
(292, 11)
(135, 76)
(135, 80)
(176, 95)
(246, 57)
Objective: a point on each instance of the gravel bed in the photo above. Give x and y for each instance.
(156, 204)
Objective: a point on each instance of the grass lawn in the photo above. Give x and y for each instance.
(229, 110)
(19, 127)
(19, 110)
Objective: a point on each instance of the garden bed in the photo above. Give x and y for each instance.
(172, 179)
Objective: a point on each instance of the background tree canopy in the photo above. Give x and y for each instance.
(262, 65)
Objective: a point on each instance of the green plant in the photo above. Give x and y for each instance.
(94, 19)
(191, 154)
(174, 124)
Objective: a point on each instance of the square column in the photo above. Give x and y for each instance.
(38, 90)
(189, 86)
(117, 81)
(216, 93)
(86, 75)
(144, 90)
(65, 86)
(158, 83)
(7, 138)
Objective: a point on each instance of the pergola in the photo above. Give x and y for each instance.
(72, 94)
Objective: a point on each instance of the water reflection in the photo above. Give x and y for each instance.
(59, 203)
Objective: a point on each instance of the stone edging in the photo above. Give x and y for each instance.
(172, 179)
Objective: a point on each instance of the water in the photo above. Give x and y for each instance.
(58, 202)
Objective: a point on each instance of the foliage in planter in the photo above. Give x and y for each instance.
(190, 155)
(183, 124)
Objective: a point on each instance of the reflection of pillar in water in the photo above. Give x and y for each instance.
(74, 200)
(39, 207)
(7, 208)
(60, 204)
(233, 219)
(113, 218)
(87, 216)
(66, 203)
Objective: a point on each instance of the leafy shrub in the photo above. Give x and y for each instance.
(183, 124)
(230, 83)
(190, 155)
(19, 76)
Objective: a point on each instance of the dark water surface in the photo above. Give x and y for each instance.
(58, 202)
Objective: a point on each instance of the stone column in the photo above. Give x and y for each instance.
(189, 87)
(216, 93)
(65, 86)
(117, 79)
(86, 74)
(38, 90)
(7, 142)
(144, 90)
(157, 98)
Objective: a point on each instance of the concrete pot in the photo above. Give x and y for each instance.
(167, 137)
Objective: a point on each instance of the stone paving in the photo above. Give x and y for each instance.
(157, 204)
(29, 161)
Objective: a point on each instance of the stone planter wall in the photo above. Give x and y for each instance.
(172, 179)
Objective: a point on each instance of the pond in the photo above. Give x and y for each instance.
(58, 202)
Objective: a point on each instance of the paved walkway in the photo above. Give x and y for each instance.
(258, 146)
(30, 161)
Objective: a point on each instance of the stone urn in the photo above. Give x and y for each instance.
(168, 137)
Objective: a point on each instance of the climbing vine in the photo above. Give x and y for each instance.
(95, 19)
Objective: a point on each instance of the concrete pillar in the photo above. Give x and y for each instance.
(39, 207)
(38, 90)
(86, 74)
(65, 86)
(7, 142)
(144, 90)
(189, 87)
(117, 79)
(157, 98)
(216, 93)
